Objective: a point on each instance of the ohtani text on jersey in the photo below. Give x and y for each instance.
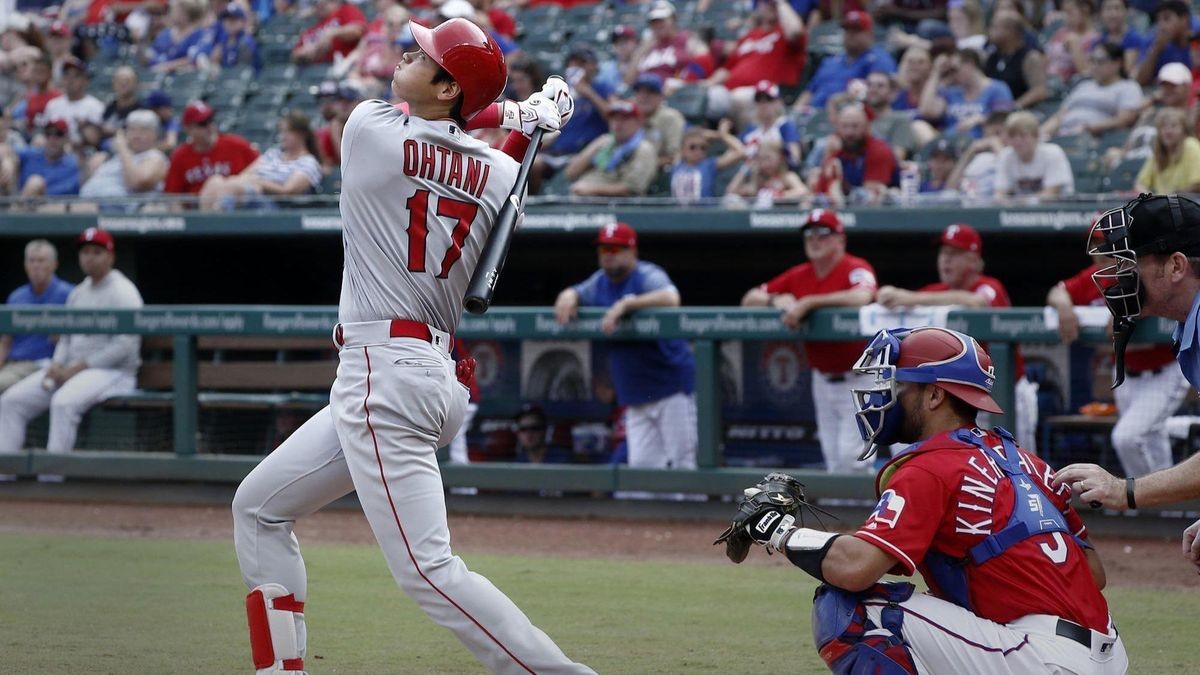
(446, 166)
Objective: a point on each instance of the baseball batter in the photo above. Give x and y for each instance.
(1014, 586)
(419, 197)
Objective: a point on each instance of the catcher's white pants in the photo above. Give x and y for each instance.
(837, 430)
(27, 399)
(1145, 402)
(945, 638)
(392, 405)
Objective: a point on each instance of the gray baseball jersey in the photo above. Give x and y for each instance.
(419, 198)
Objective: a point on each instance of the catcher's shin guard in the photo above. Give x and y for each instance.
(850, 643)
(277, 632)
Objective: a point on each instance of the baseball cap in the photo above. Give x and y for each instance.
(233, 11)
(58, 29)
(823, 218)
(197, 112)
(157, 99)
(1154, 229)
(582, 53)
(857, 20)
(962, 236)
(649, 81)
(348, 90)
(942, 146)
(661, 9)
(456, 9)
(1175, 73)
(627, 108)
(617, 234)
(766, 90)
(328, 88)
(73, 62)
(97, 236)
(622, 32)
(57, 123)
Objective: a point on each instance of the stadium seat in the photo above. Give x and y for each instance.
(536, 18)
(1121, 179)
(826, 38)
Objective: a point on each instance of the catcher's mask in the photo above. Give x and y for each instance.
(1147, 225)
(952, 360)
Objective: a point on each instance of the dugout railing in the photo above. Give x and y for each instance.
(704, 327)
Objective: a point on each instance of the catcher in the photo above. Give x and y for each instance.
(1014, 587)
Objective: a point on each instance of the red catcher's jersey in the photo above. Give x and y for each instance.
(948, 496)
(1083, 291)
(849, 273)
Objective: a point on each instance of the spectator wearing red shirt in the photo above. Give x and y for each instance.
(668, 52)
(961, 281)
(830, 278)
(1153, 390)
(337, 31)
(207, 152)
(773, 50)
(855, 159)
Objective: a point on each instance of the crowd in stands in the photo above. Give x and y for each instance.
(867, 102)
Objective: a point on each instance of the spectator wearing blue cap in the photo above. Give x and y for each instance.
(160, 103)
(235, 45)
(664, 124)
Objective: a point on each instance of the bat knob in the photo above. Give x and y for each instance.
(476, 305)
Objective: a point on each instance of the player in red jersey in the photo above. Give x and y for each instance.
(1153, 390)
(1014, 586)
(830, 278)
(961, 281)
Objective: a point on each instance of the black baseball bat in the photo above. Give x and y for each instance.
(495, 249)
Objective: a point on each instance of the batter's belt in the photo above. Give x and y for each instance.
(366, 333)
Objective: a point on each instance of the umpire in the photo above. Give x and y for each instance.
(1155, 240)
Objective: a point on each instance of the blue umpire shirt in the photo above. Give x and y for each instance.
(642, 371)
(28, 347)
(1187, 344)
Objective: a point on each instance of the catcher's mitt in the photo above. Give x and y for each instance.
(776, 493)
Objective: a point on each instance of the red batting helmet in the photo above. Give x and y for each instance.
(471, 57)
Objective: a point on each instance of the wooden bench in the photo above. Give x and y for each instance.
(260, 379)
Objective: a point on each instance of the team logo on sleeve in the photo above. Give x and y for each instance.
(887, 511)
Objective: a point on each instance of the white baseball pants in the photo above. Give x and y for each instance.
(1144, 403)
(662, 434)
(27, 399)
(837, 430)
(394, 402)
(945, 638)
(1025, 412)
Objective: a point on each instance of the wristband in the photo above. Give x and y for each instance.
(1129, 493)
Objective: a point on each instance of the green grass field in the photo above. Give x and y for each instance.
(75, 605)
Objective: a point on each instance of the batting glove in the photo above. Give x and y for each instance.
(557, 90)
(525, 116)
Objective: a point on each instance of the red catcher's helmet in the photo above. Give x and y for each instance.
(471, 57)
(952, 360)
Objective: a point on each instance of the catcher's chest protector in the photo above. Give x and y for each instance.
(1032, 514)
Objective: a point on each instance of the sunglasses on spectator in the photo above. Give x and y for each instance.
(54, 132)
(531, 427)
(817, 232)
(610, 248)
(696, 146)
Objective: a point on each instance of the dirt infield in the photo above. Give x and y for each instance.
(1129, 562)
